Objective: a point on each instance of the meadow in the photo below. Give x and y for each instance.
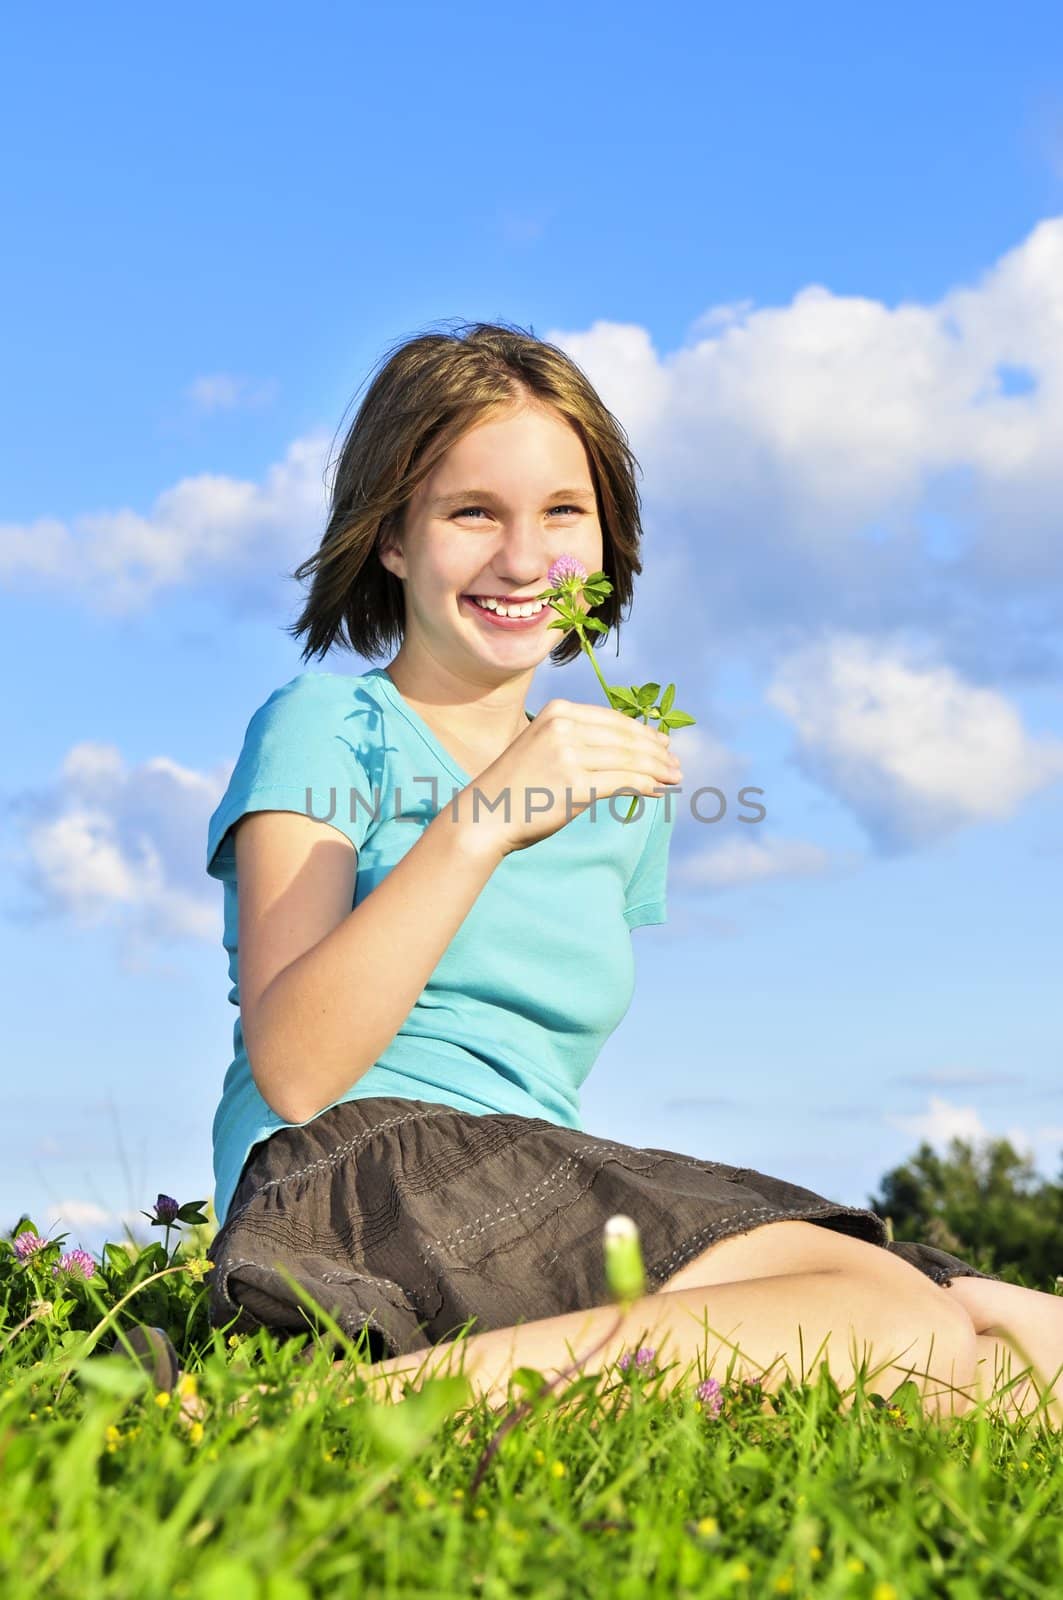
(599, 1486)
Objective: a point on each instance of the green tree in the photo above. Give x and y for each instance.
(987, 1205)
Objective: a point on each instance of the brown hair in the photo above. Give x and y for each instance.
(431, 390)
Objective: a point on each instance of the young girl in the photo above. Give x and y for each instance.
(429, 935)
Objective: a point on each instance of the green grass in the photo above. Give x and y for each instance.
(604, 1489)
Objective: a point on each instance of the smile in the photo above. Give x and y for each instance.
(496, 615)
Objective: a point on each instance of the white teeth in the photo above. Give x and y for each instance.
(530, 608)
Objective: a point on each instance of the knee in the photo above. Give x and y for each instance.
(938, 1331)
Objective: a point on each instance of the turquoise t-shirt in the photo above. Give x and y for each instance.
(535, 979)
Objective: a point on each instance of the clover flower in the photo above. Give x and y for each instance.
(710, 1395)
(643, 1358)
(566, 572)
(77, 1262)
(27, 1243)
(170, 1213)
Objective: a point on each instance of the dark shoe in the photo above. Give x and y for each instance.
(154, 1351)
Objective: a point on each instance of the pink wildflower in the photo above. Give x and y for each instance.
(28, 1243)
(643, 1359)
(563, 568)
(710, 1395)
(79, 1262)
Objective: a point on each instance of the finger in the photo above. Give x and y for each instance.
(611, 779)
(652, 758)
(608, 717)
(637, 738)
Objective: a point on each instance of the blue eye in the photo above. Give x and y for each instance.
(468, 510)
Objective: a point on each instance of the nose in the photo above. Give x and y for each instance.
(524, 554)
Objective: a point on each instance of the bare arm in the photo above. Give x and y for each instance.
(322, 1021)
(324, 989)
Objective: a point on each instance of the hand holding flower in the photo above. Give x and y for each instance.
(572, 584)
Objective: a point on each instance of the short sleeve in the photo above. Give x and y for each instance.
(646, 899)
(300, 753)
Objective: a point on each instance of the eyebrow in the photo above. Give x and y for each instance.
(461, 496)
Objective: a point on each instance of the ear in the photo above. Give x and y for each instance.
(390, 556)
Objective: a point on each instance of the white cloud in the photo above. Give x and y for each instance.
(78, 1214)
(843, 406)
(739, 861)
(115, 845)
(944, 1121)
(914, 750)
(222, 391)
(85, 1213)
(201, 530)
(941, 1123)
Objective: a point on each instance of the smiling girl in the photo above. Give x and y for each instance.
(429, 901)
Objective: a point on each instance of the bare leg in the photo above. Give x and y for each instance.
(1021, 1329)
(765, 1328)
(874, 1307)
(1027, 1321)
(847, 1300)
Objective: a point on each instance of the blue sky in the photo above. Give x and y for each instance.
(813, 261)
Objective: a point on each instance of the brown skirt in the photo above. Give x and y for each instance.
(415, 1220)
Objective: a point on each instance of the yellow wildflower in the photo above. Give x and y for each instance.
(740, 1572)
(480, 1513)
(815, 1553)
(708, 1527)
(883, 1591)
(558, 1469)
(855, 1564)
(163, 1398)
(187, 1385)
(195, 1433)
(784, 1583)
(112, 1434)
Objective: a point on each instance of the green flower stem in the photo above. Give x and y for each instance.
(589, 653)
(588, 650)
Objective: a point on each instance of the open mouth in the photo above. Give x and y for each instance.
(492, 617)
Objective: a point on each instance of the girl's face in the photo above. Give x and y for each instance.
(503, 503)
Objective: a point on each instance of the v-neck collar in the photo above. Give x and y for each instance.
(417, 722)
